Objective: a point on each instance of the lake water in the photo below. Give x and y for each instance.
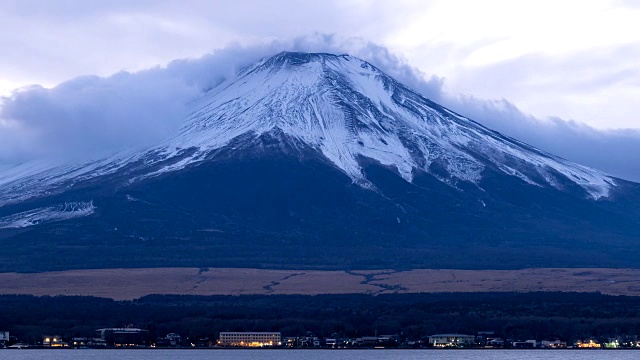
(235, 354)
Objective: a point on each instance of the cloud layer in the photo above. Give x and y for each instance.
(89, 116)
(612, 151)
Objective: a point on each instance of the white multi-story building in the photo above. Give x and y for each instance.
(451, 340)
(250, 339)
(4, 336)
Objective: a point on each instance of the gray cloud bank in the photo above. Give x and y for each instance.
(90, 116)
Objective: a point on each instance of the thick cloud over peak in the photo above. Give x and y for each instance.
(90, 116)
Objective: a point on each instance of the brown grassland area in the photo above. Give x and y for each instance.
(128, 284)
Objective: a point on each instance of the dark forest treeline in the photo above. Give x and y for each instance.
(566, 316)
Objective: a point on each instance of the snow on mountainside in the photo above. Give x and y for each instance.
(343, 107)
(47, 214)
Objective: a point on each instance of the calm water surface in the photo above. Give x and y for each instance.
(319, 354)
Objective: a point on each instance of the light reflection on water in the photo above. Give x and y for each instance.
(235, 354)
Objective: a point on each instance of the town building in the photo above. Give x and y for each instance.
(124, 337)
(556, 344)
(367, 341)
(529, 344)
(174, 339)
(494, 343)
(171, 340)
(250, 339)
(4, 339)
(53, 341)
(81, 342)
(451, 340)
(336, 343)
(588, 344)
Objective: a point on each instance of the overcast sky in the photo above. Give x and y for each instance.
(562, 75)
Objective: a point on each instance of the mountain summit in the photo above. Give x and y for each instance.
(346, 108)
(329, 153)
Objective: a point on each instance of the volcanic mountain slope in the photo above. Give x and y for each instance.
(321, 161)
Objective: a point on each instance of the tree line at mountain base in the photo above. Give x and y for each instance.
(565, 316)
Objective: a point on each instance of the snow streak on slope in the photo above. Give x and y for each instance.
(344, 108)
(42, 178)
(47, 214)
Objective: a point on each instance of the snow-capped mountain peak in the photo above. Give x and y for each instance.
(346, 108)
(342, 107)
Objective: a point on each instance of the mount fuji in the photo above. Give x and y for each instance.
(320, 161)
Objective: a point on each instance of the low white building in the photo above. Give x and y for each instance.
(4, 336)
(451, 340)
